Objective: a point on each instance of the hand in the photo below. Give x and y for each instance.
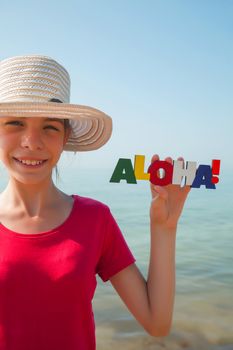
(167, 202)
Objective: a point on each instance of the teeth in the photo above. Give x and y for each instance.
(31, 162)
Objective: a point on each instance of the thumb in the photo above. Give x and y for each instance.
(158, 192)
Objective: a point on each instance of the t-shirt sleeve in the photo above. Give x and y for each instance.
(115, 254)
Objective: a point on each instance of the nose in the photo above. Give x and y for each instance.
(31, 139)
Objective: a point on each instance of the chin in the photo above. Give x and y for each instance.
(30, 180)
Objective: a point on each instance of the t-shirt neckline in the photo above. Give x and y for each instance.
(40, 234)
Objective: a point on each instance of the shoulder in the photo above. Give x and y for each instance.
(95, 214)
(89, 204)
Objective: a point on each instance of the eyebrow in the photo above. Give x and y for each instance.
(55, 120)
(61, 121)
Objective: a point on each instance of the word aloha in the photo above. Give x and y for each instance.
(172, 173)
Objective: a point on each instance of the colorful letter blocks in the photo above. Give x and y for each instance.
(172, 173)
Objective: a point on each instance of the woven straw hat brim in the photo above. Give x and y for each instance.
(91, 128)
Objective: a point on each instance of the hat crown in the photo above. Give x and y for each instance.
(33, 78)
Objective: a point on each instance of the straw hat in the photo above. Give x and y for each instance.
(38, 86)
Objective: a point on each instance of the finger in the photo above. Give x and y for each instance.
(160, 191)
(169, 160)
(186, 189)
(154, 158)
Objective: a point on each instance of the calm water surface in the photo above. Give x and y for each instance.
(203, 314)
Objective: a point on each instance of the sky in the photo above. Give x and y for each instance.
(162, 69)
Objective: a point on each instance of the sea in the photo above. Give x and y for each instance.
(203, 310)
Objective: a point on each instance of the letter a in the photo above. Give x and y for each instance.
(124, 171)
(203, 177)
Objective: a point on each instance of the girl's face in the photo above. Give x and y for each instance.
(33, 138)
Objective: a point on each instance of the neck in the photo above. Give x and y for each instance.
(32, 200)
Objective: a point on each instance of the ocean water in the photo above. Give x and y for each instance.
(203, 312)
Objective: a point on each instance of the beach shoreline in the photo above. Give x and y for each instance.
(108, 337)
(198, 324)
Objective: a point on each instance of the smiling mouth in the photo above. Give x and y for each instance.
(30, 164)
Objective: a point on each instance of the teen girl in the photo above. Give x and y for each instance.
(52, 245)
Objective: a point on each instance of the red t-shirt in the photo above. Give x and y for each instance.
(47, 280)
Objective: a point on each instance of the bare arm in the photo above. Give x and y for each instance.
(161, 281)
(152, 301)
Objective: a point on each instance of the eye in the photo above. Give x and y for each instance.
(14, 122)
(52, 127)
(19, 123)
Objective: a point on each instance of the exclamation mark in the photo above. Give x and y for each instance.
(215, 170)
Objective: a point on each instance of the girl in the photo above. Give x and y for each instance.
(51, 244)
